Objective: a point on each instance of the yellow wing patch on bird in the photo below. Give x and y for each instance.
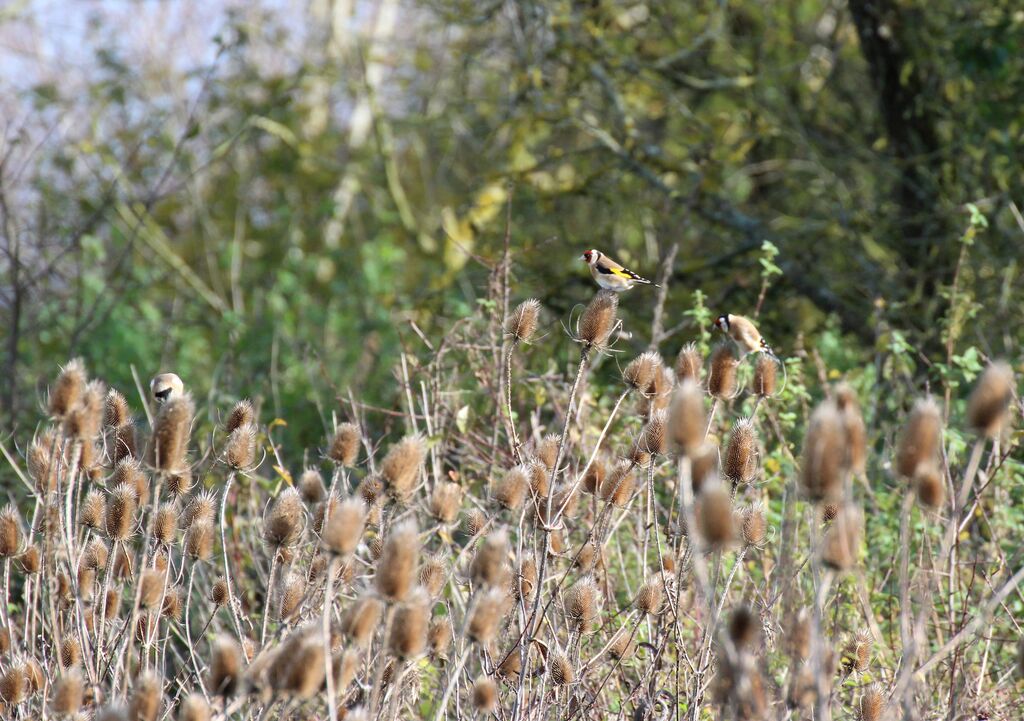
(624, 273)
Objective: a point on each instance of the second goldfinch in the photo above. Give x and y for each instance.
(610, 275)
(743, 332)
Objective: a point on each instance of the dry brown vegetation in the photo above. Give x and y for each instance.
(517, 548)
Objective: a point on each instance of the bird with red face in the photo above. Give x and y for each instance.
(611, 275)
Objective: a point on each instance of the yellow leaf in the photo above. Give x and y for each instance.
(285, 475)
(277, 422)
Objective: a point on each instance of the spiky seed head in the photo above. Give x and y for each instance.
(124, 444)
(511, 489)
(344, 527)
(856, 654)
(219, 593)
(283, 524)
(396, 571)
(240, 449)
(152, 587)
(872, 704)
(689, 364)
(402, 465)
(743, 628)
(165, 524)
(547, 450)
(488, 566)
(853, 427)
(485, 695)
(225, 675)
(594, 476)
(68, 693)
(622, 645)
(714, 516)
(370, 489)
(445, 501)
(582, 605)
(84, 420)
(741, 453)
(686, 419)
(527, 578)
(194, 708)
(439, 637)
(990, 400)
(10, 531)
(199, 540)
(539, 478)
(560, 669)
(618, 487)
(841, 545)
(765, 380)
(146, 696)
(522, 322)
(566, 497)
(44, 461)
(311, 486)
(921, 437)
(433, 574)
(409, 629)
(68, 388)
(474, 521)
(930, 485)
(824, 452)
(361, 619)
(344, 445)
(242, 414)
(598, 320)
(116, 413)
(722, 375)
(654, 438)
(753, 525)
(640, 371)
(290, 596)
(588, 556)
(30, 559)
(173, 603)
(648, 598)
(96, 554)
(485, 615)
(178, 482)
(171, 428)
(639, 456)
(200, 508)
(120, 511)
(511, 665)
(70, 652)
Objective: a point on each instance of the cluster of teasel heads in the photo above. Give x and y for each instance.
(573, 575)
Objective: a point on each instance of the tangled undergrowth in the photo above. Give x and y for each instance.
(706, 541)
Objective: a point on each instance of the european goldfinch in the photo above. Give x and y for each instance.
(166, 386)
(744, 332)
(609, 274)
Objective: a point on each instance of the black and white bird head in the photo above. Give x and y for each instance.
(166, 386)
(722, 322)
(590, 256)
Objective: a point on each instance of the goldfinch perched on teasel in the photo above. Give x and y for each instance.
(609, 274)
(166, 386)
(744, 332)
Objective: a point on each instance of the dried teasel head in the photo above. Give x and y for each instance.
(219, 593)
(485, 695)
(546, 450)
(582, 604)
(171, 429)
(344, 445)
(824, 453)
(409, 629)
(119, 518)
(921, 437)
(200, 508)
(930, 486)
(361, 619)
(856, 654)
(396, 571)
(199, 540)
(485, 615)
(598, 320)
(510, 491)
(594, 476)
(402, 465)
(147, 694)
(618, 487)
(70, 652)
(526, 578)
(240, 449)
(648, 598)
(226, 666)
(311, 486)
(67, 389)
(124, 443)
(765, 381)
(743, 628)
(741, 453)
(30, 559)
(622, 645)
(753, 525)
(242, 414)
(689, 364)
(194, 708)
(539, 476)
(488, 567)
(128, 472)
(722, 373)
(432, 576)
(344, 528)
(639, 372)
(853, 427)
(686, 419)
(116, 413)
(522, 322)
(153, 582)
(439, 637)
(178, 482)
(44, 460)
(68, 693)
(289, 597)
(474, 522)
(841, 544)
(283, 523)
(560, 669)
(714, 516)
(988, 406)
(165, 524)
(445, 501)
(872, 704)
(84, 420)
(654, 438)
(10, 532)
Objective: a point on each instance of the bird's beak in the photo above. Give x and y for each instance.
(583, 258)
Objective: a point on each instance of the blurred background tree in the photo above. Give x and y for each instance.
(283, 195)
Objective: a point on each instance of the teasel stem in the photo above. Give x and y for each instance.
(224, 551)
(711, 418)
(453, 681)
(542, 570)
(332, 703)
(270, 593)
(188, 619)
(378, 674)
(101, 629)
(513, 435)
